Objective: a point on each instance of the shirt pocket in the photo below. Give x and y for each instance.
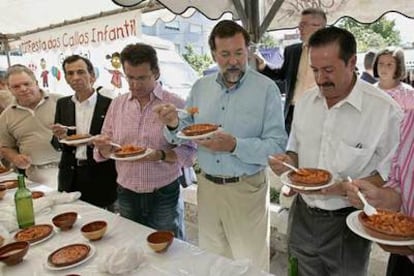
(350, 160)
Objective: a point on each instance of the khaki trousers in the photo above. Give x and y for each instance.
(234, 218)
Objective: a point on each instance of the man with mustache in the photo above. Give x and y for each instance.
(348, 127)
(233, 190)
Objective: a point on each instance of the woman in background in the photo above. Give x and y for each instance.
(389, 68)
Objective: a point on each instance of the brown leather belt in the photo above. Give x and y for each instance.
(221, 180)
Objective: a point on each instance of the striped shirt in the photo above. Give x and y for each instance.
(403, 94)
(127, 123)
(402, 170)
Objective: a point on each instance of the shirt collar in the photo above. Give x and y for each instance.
(89, 101)
(15, 104)
(158, 92)
(354, 98)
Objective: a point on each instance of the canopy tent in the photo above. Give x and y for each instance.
(22, 17)
(261, 15)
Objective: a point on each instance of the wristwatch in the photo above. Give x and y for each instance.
(163, 155)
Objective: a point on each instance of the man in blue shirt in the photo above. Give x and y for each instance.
(233, 191)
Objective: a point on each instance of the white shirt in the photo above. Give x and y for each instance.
(83, 114)
(355, 138)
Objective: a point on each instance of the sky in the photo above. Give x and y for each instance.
(404, 25)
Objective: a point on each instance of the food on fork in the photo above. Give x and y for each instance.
(129, 150)
(310, 177)
(199, 129)
(77, 137)
(192, 110)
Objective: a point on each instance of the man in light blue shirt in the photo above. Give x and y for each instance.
(233, 188)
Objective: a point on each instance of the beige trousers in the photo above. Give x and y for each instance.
(234, 218)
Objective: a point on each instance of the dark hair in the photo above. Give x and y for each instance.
(226, 29)
(398, 55)
(113, 55)
(344, 39)
(139, 53)
(74, 58)
(369, 60)
(315, 11)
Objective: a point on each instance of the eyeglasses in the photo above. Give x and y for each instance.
(140, 79)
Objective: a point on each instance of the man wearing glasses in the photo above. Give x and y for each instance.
(149, 187)
(295, 70)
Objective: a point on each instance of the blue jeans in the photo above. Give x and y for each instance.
(162, 209)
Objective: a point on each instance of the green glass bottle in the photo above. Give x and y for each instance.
(24, 204)
(293, 266)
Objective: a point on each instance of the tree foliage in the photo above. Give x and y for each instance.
(267, 41)
(380, 34)
(197, 61)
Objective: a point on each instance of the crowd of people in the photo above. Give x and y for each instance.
(358, 128)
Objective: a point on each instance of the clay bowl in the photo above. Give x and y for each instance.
(10, 184)
(37, 194)
(159, 241)
(13, 253)
(95, 230)
(3, 191)
(65, 221)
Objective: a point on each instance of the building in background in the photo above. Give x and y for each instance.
(182, 31)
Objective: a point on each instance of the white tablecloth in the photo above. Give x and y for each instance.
(181, 258)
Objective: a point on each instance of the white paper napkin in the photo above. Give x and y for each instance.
(8, 213)
(123, 260)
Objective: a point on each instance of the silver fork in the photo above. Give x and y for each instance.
(368, 208)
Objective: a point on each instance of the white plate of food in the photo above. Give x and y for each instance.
(76, 139)
(35, 234)
(198, 131)
(325, 180)
(69, 256)
(355, 225)
(132, 157)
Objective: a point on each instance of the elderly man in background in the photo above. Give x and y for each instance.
(295, 70)
(25, 132)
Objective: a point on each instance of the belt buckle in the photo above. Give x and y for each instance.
(80, 162)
